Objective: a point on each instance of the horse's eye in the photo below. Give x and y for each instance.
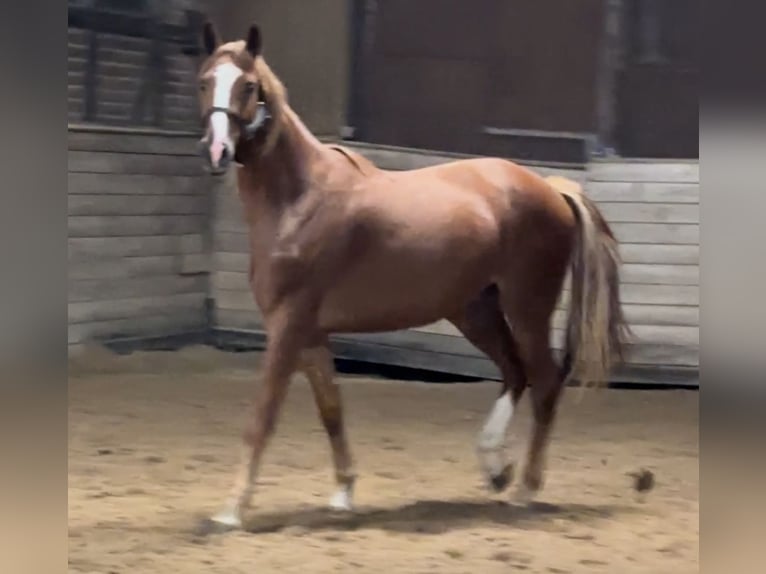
(202, 87)
(249, 87)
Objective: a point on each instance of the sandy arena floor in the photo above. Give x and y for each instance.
(153, 443)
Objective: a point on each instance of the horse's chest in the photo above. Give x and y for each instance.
(284, 268)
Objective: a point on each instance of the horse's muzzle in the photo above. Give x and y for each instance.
(217, 155)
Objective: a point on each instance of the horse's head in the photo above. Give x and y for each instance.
(231, 96)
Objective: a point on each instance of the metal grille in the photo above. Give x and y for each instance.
(130, 66)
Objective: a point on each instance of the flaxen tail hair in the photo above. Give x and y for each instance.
(596, 330)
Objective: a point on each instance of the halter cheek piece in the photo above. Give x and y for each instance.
(249, 129)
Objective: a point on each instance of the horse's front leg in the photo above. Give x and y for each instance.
(286, 328)
(317, 364)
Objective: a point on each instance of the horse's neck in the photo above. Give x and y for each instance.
(270, 184)
(279, 176)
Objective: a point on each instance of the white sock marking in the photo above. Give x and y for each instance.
(524, 495)
(342, 499)
(492, 437)
(239, 499)
(228, 517)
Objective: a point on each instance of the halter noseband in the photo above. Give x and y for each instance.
(249, 129)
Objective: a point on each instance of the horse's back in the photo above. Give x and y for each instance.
(480, 174)
(508, 188)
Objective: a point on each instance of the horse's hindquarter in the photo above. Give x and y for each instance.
(422, 246)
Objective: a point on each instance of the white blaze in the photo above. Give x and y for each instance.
(225, 75)
(492, 437)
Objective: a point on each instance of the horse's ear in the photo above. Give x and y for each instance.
(209, 38)
(254, 40)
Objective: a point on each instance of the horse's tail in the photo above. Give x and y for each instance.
(596, 329)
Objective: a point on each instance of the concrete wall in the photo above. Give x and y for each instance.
(307, 45)
(138, 242)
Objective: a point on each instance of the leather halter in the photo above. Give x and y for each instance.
(249, 129)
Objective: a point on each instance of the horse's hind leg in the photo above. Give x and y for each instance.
(529, 309)
(317, 364)
(482, 322)
(545, 389)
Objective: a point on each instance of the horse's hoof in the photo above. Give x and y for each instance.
(210, 526)
(533, 481)
(500, 481)
(531, 485)
(524, 495)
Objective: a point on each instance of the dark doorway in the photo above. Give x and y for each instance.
(657, 99)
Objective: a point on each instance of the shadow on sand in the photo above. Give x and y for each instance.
(426, 517)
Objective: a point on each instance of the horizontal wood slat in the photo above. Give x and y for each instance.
(125, 267)
(158, 325)
(654, 274)
(683, 295)
(661, 172)
(667, 347)
(636, 233)
(88, 311)
(635, 273)
(108, 289)
(129, 225)
(631, 212)
(135, 184)
(166, 146)
(129, 204)
(643, 192)
(657, 233)
(660, 254)
(387, 157)
(89, 249)
(128, 163)
(636, 315)
(646, 315)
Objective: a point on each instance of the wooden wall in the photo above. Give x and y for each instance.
(654, 210)
(138, 242)
(123, 84)
(151, 239)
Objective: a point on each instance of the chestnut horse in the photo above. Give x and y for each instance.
(338, 245)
